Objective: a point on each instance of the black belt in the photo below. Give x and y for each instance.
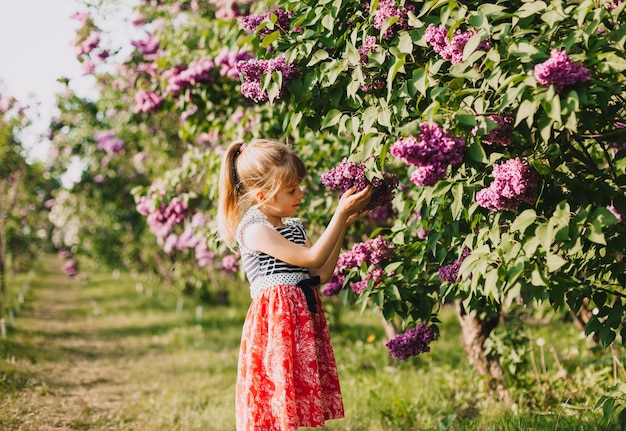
(307, 287)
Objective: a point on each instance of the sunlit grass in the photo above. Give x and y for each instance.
(109, 352)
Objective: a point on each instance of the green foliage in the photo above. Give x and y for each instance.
(565, 248)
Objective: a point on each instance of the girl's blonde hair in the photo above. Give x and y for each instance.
(261, 164)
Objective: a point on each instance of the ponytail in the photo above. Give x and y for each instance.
(228, 211)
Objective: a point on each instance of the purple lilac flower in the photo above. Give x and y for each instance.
(369, 45)
(514, 182)
(451, 50)
(147, 46)
(614, 211)
(71, 267)
(503, 133)
(229, 264)
(203, 255)
(613, 4)
(175, 212)
(351, 174)
(181, 76)
(145, 206)
(373, 82)
(382, 214)
(227, 61)
(87, 45)
(560, 71)
(109, 142)
(450, 273)
(334, 285)
(413, 342)
(387, 9)
(252, 71)
(147, 101)
(431, 153)
(372, 253)
(251, 23)
(170, 243)
(187, 239)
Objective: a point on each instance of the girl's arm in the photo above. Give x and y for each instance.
(326, 271)
(264, 239)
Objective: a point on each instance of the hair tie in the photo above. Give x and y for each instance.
(243, 147)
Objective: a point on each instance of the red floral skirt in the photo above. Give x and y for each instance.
(287, 375)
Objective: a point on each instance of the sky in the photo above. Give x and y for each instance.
(36, 50)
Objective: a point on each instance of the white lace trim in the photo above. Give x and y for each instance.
(262, 283)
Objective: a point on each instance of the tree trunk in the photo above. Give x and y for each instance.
(474, 332)
(8, 197)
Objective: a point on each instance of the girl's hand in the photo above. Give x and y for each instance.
(352, 204)
(356, 216)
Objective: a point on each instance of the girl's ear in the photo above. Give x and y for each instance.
(259, 195)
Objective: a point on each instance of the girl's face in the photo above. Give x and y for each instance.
(284, 204)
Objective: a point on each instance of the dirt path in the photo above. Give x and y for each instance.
(71, 377)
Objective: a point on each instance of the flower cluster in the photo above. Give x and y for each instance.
(70, 267)
(430, 154)
(372, 253)
(251, 23)
(161, 219)
(413, 342)
(369, 45)
(451, 50)
(147, 101)
(87, 43)
(181, 77)
(560, 71)
(388, 9)
(503, 133)
(351, 174)
(229, 264)
(450, 273)
(252, 70)
(147, 46)
(613, 4)
(227, 60)
(514, 182)
(109, 142)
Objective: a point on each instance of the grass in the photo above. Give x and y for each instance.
(116, 352)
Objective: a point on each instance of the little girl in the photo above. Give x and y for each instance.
(287, 376)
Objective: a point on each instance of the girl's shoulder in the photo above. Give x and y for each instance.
(252, 216)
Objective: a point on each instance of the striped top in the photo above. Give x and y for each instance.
(263, 270)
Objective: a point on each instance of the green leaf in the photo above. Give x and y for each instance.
(270, 38)
(405, 44)
(611, 62)
(477, 152)
(526, 111)
(319, 55)
(554, 262)
(522, 221)
(331, 119)
(352, 54)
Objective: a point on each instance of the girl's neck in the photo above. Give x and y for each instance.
(274, 220)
